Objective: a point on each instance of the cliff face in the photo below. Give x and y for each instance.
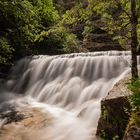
(115, 112)
(117, 120)
(100, 40)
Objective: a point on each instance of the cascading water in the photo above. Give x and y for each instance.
(70, 87)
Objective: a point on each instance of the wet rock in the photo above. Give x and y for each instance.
(10, 114)
(24, 123)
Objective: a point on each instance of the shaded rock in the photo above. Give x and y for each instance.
(115, 112)
(97, 40)
(100, 40)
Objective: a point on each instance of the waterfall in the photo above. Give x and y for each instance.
(70, 87)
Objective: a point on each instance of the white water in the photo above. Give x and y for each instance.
(70, 87)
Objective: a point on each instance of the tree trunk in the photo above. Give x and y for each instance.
(134, 41)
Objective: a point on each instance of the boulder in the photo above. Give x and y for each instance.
(115, 112)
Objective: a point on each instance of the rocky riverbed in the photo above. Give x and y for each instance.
(24, 123)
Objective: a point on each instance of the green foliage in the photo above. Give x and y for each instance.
(19, 24)
(22, 21)
(5, 51)
(57, 40)
(135, 97)
(115, 21)
(135, 120)
(116, 17)
(113, 17)
(75, 15)
(46, 10)
(47, 26)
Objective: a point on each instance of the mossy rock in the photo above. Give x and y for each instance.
(114, 118)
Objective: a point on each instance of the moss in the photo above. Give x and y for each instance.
(133, 129)
(114, 118)
(135, 119)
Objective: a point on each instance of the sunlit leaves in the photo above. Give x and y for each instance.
(21, 21)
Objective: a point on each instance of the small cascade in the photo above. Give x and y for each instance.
(70, 87)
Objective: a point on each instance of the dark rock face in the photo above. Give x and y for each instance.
(115, 112)
(100, 40)
(114, 118)
(117, 121)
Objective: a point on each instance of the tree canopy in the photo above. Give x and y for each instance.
(29, 27)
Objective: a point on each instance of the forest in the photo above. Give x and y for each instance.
(30, 27)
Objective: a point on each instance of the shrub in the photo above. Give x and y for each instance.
(135, 97)
(5, 51)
